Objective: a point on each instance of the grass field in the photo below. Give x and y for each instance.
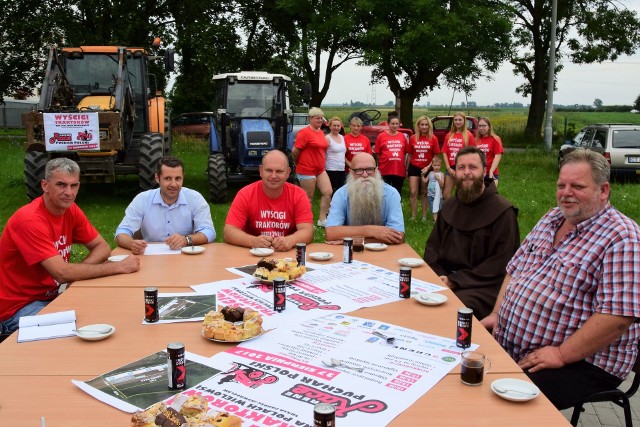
(527, 178)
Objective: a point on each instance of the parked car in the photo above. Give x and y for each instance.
(196, 124)
(442, 126)
(371, 130)
(619, 143)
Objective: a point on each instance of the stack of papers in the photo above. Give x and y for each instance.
(47, 326)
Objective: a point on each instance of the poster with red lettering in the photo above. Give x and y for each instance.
(71, 131)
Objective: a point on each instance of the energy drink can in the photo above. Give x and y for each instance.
(347, 250)
(324, 415)
(176, 366)
(301, 253)
(463, 327)
(279, 294)
(405, 282)
(151, 305)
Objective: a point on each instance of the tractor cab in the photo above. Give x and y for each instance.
(252, 117)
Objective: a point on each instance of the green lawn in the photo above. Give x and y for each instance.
(527, 178)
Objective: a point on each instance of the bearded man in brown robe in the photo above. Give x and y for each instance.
(476, 234)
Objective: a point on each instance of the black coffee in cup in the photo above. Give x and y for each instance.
(472, 374)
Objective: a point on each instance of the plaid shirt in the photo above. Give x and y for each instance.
(553, 291)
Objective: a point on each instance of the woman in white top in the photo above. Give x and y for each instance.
(335, 163)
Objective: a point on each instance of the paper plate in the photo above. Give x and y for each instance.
(231, 342)
(411, 262)
(86, 332)
(261, 251)
(431, 298)
(515, 390)
(321, 256)
(117, 258)
(192, 250)
(375, 246)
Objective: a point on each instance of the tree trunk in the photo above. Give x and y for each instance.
(406, 109)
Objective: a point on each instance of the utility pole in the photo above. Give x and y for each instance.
(548, 128)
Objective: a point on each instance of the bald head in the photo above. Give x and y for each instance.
(363, 160)
(275, 156)
(274, 172)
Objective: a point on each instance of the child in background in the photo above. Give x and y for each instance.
(435, 182)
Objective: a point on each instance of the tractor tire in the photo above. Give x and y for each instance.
(217, 173)
(150, 154)
(168, 136)
(34, 164)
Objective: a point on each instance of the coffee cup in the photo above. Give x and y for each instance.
(472, 367)
(358, 244)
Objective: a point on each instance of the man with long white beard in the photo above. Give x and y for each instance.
(475, 236)
(365, 206)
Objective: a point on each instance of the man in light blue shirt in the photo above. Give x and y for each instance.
(173, 214)
(365, 206)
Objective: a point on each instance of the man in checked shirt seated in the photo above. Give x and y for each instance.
(569, 305)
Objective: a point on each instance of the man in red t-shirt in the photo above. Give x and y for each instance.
(36, 245)
(270, 213)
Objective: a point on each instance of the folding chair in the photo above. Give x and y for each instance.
(617, 396)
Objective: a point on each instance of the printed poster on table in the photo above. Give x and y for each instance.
(183, 307)
(71, 131)
(336, 359)
(302, 302)
(142, 383)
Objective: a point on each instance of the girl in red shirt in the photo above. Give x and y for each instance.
(491, 146)
(458, 137)
(391, 149)
(423, 147)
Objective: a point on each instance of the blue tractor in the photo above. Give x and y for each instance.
(252, 117)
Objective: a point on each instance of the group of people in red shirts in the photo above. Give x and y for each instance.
(319, 158)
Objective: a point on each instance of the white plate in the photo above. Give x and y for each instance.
(261, 251)
(117, 258)
(375, 246)
(411, 262)
(431, 298)
(514, 384)
(94, 336)
(321, 256)
(192, 250)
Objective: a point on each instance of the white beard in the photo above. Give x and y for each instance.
(365, 199)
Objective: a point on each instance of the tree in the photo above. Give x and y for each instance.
(636, 104)
(315, 28)
(597, 103)
(29, 27)
(417, 45)
(587, 31)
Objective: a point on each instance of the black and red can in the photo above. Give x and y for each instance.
(405, 282)
(463, 327)
(279, 294)
(151, 305)
(347, 250)
(324, 415)
(301, 253)
(176, 366)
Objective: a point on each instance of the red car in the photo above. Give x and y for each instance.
(194, 124)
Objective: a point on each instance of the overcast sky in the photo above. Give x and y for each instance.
(613, 82)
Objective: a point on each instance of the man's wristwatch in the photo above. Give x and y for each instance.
(189, 240)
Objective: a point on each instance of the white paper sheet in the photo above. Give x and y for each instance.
(160, 249)
(47, 326)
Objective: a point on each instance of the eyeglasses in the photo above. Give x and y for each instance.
(360, 171)
(483, 126)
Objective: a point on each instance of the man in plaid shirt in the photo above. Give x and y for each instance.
(568, 308)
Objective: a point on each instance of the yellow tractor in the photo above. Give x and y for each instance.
(99, 106)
